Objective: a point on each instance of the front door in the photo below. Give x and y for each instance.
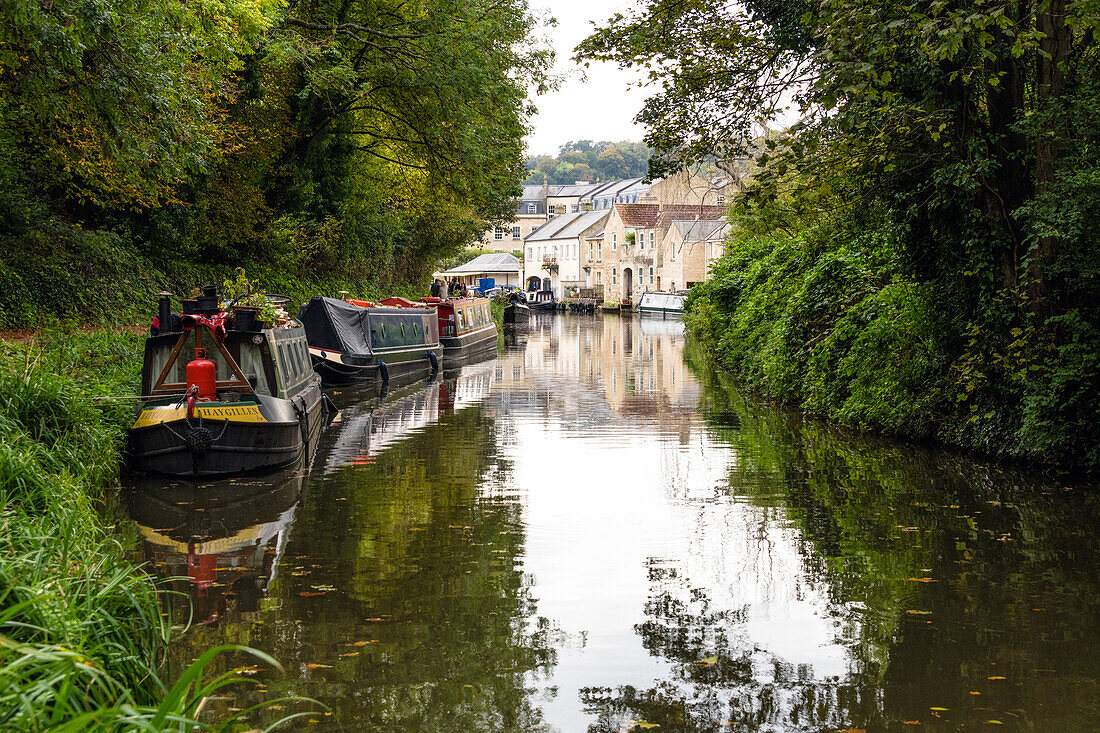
(628, 284)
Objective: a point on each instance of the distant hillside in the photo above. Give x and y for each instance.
(585, 160)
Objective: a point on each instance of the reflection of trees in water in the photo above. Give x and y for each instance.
(975, 584)
(720, 680)
(401, 602)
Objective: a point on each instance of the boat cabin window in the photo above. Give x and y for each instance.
(252, 366)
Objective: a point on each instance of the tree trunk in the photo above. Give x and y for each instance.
(1054, 45)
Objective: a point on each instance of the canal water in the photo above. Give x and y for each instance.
(594, 531)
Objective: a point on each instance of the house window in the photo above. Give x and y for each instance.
(591, 249)
(641, 239)
(614, 276)
(614, 241)
(599, 251)
(515, 233)
(574, 208)
(531, 205)
(498, 233)
(652, 239)
(672, 253)
(530, 253)
(721, 200)
(651, 274)
(599, 277)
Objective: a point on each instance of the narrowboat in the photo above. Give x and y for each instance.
(653, 303)
(465, 325)
(541, 300)
(517, 310)
(356, 341)
(220, 400)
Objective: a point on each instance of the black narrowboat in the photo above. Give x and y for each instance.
(517, 310)
(220, 401)
(360, 342)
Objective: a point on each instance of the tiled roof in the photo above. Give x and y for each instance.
(702, 230)
(548, 230)
(585, 221)
(638, 215)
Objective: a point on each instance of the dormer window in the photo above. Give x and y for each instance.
(531, 206)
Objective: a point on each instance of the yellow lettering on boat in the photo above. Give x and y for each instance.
(235, 413)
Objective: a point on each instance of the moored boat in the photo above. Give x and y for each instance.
(354, 341)
(517, 310)
(541, 300)
(654, 303)
(220, 401)
(465, 325)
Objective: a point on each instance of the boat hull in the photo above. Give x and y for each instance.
(458, 348)
(516, 313)
(407, 365)
(179, 447)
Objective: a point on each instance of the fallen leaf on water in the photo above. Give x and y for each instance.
(311, 665)
(359, 643)
(942, 710)
(643, 724)
(994, 722)
(995, 677)
(923, 580)
(708, 661)
(376, 620)
(323, 587)
(911, 722)
(249, 670)
(975, 692)
(919, 613)
(310, 593)
(350, 654)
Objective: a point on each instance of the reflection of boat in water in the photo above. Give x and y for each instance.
(247, 401)
(661, 304)
(661, 326)
(360, 433)
(356, 341)
(219, 544)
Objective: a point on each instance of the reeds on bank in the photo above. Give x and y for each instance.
(81, 630)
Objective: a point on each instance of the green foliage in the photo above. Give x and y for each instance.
(961, 134)
(141, 145)
(585, 160)
(81, 632)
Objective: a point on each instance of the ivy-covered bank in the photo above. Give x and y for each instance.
(81, 631)
(826, 318)
(917, 253)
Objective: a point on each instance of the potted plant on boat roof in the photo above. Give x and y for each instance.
(250, 305)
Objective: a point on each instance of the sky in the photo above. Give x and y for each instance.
(595, 105)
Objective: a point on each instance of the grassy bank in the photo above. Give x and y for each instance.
(81, 631)
(826, 318)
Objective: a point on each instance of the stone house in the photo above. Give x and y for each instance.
(643, 254)
(689, 248)
(557, 252)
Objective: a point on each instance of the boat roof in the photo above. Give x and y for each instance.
(503, 262)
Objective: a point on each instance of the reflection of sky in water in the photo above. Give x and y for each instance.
(630, 507)
(567, 533)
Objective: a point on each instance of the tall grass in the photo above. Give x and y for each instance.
(81, 630)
